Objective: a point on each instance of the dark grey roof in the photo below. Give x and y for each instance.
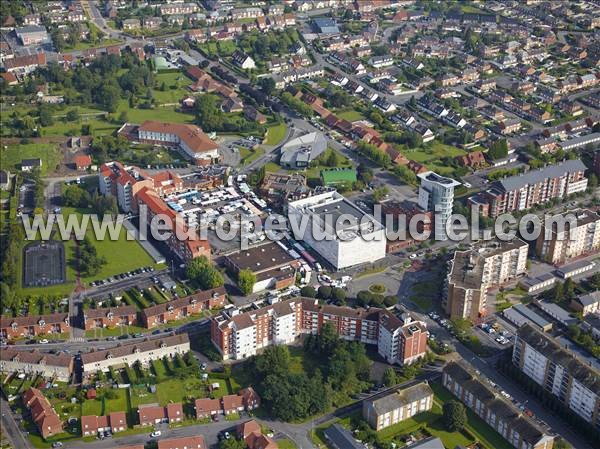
(401, 398)
(589, 299)
(547, 346)
(535, 176)
(341, 438)
(429, 443)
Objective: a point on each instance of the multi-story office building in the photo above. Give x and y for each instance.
(240, 335)
(516, 428)
(582, 237)
(473, 272)
(394, 407)
(436, 194)
(522, 192)
(559, 372)
(339, 231)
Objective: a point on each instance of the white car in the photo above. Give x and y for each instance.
(412, 256)
(43, 341)
(155, 434)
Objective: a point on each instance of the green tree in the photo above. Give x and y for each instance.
(454, 416)
(498, 149)
(380, 193)
(73, 115)
(232, 443)
(274, 360)
(557, 292)
(389, 377)
(308, 291)
(324, 292)
(245, 281)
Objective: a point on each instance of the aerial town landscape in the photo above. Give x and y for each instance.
(300, 224)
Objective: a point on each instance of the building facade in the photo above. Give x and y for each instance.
(34, 325)
(577, 239)
(436, 194)
(59, 367)
(237, 336)
(398, 406)
(471, 273)
(559, 372)
(109, 317)
(516, 428)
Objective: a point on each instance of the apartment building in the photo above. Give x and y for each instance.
(579, 237)
(521, 192)
(34, 325)
(559, 372)
(471, 273)
(144, 352)
(42, 414)
(436, 195)
(395, 407)
(50, 366)
(109, 317)
(240, 335)
(181, 308)
(516, 428)
(188, 138)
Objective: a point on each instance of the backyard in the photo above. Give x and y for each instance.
(432, 156)
(171, 87)
(11, 156)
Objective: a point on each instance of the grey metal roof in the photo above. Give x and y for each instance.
(401, 398)
(341, 438)
(531, 315)
(589, 299)
(535, 176)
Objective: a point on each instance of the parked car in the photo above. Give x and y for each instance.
(155, 434)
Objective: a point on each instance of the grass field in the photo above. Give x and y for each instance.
(11, 156)
(432, 156)
(275, 134)
(175, 87)
(351, 115)
(247, 156)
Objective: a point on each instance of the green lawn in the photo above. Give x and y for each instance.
(351, 115)
(249, 155)
(175, 87)
(121, 255)
(11, 156)
(275, 134)
(431, 156)
(272, 167)
(286, 444)
(102, 405)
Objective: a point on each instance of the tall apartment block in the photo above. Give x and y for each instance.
(559, 372)
(522, 192)
(399, 339)
(471, 273)
(436, 194)
(583, 237)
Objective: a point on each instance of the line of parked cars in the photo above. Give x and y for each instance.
(118, 277)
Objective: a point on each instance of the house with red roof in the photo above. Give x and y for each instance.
(42, 413)
(252, 435)
(82, 162)
(150, 414)
(206, 408)
(232, 403)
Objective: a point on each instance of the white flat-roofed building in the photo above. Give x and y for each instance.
(356, 239)
(436, 194)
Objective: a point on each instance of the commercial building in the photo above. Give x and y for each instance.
(471, 273)
(278, 189)
(188, 138)
(273, 267)
(32, 34)
(240, 335)
(42, 414)
(181, 308)
(394, 407)
(436, 194)
(578, 237)
(109, 317)
(559, 372)
(355, 239)
(298, 153)
(34, 325)
(515, 427)
(50, 366)
(144, 352)
(521, 192)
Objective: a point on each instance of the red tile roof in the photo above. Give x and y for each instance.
(192, 135)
